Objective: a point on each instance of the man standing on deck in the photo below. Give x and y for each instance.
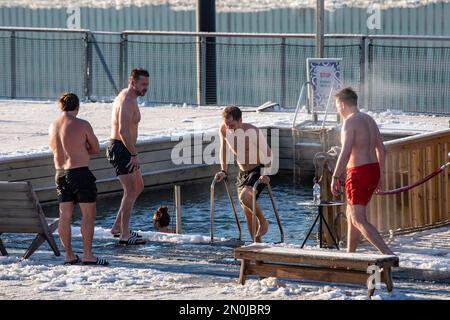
(363, 154)
(72, 141)
(253, 156)
(122, 154)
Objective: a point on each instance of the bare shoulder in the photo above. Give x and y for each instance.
(222, 129)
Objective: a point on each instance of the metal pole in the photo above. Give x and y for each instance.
(211, 228)
(283, 72)
(178, 208)
(123, 61)
(320, 27)
(13, 65)
(362, 72)
(236, 217)
(87, 66)
(206, 22)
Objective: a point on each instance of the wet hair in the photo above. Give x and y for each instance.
(69, 102)
(348, 96)
(233, 112)
(137, 73)
(162, 216)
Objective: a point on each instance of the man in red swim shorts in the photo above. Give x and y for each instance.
(363, 155)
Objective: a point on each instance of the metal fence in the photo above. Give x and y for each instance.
(402, 73)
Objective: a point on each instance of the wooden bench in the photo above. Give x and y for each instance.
(20, 212)
(319, 265)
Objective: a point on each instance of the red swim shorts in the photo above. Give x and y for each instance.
(361, 183)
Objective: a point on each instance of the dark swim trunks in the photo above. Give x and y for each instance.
(249, 178)
(119, 156)
(76, 185)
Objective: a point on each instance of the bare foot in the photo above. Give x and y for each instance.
(263, 228)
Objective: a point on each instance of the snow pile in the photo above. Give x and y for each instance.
(221, 5)
(102, 233)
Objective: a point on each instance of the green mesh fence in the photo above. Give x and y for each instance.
(411, 79)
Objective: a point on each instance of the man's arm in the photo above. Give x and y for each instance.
(92, 144)
(347, 137)
(223, 150)
(125, 119)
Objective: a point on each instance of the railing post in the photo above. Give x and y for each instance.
(370, 76)
(13, 65)
(177, 190)
(123, 60)
(283, 72)
(201, 70)
(362, 72)
(87, 66)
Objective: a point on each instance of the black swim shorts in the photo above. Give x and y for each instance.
(249, 178)
(119, 156)
(76, 185)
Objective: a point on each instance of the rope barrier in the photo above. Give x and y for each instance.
(417, 183)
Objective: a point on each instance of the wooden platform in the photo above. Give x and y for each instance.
(318, 265)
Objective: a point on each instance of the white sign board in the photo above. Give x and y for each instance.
(326, 78)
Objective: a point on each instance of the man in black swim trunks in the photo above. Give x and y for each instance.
(72, 141)
(253, 156)
(122, 154)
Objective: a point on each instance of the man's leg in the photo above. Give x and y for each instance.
(246, 200)
(133, 185)
(88, 211)
(359, 220)
(64, 229)
(353, 234)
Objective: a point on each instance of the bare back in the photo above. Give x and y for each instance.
(71, 141)
(366, 137)
(125, 119)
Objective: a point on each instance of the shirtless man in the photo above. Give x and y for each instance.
(122, 154)
(363, 154)
(72, 141)
(252, 160)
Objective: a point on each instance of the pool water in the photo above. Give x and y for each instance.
(290, 199)
(296, 217)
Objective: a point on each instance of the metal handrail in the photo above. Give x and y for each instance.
(212, 203)
(306, 83)
(255, 190)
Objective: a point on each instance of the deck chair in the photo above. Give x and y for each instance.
(20, 212)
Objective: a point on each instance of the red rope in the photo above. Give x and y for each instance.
(406, 188)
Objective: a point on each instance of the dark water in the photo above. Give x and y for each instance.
(296, 220)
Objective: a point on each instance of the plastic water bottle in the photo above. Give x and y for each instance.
(316, 193)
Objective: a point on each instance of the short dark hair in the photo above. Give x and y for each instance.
(162, 216)
(348, 96)
(232, 111)
(69, 102)
(137, 73)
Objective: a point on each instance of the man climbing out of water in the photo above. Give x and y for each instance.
(122, 154)
(253, 155)
(363, 154)
(72, 141)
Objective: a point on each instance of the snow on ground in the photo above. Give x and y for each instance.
(221, 5)
(143, 277)
(24, 124)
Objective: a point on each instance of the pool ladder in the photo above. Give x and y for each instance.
(213, 184)
(255, 186)
(269, 189)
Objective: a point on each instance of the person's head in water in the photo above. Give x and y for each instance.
(161, 218)
(69, 102)
(232, 117)
(346, 101)
(139, 81)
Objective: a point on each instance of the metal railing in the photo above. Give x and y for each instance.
(248, 68)
(212, 208)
